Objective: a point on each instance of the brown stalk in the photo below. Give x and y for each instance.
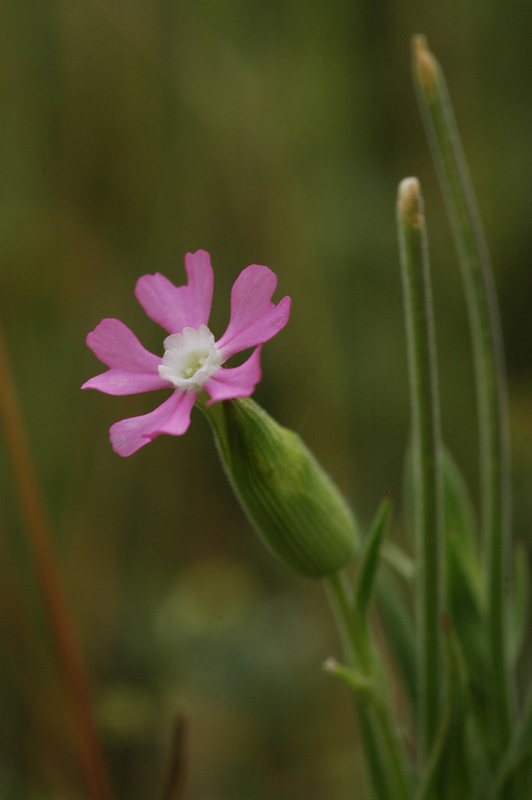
(39, 541)
(177, 769)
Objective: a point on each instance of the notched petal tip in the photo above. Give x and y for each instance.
(176, 307)
(254, 318)
(198, 260)
(116, 346)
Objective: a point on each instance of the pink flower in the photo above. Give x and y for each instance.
(192, 360)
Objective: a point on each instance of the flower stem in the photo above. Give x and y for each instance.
(488, 357)
(353, 635)
(426, 453)
(39, 543)
(383, 749)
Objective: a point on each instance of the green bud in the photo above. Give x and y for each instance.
(292, 503)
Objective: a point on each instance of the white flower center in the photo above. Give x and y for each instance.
(190, 358)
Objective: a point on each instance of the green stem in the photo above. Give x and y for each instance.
(383, 749)
(426, 453)
(352, 631)
(488, 356)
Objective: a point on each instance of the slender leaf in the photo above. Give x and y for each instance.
(488, 355)
(519, 611)
(398, 560)
(353, 678)
(519, 748)
(370, 558)
(464, 568)
(447, 761)
(398, 623)
(424, 400)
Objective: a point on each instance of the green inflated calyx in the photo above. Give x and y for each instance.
(292, 503)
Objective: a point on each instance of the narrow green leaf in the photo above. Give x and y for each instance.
(424, 401)
(519, 612)
(464, 577)
(383, 787)
(465, 595)
(398, 560)
(353, 678)
(398, 623)
(464, 574)
(450, 734)
(370, 558)
(488, 355)
(519, 748)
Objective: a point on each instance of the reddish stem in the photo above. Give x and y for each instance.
(41, 551)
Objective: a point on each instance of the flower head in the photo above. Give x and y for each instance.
(193, 360)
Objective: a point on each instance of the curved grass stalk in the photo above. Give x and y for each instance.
(488, 357)
(428, 512)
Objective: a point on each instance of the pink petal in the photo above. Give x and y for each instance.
(133, 369)
(120, 382)
(178, 422)
(118, 347)
(178, 307)
(200, 285)
(228, 384)
(254, 318)
(173, 416)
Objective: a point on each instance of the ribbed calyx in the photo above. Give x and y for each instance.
(292, 503)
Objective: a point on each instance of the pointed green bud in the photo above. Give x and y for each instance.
(292, 503)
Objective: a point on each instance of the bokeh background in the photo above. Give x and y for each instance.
(271, 132)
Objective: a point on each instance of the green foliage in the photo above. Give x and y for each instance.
(476, 729)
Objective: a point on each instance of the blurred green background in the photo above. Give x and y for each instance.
(271, 132)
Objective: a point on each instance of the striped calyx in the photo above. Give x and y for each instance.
(292, 503)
